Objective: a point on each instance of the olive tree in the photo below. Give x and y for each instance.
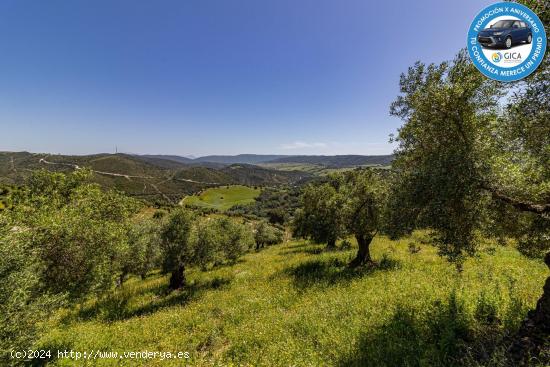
(462, 161)
(78, 231)
(349, 204)
(204, 242)
(23, 302)
(143, 252)
(266, 234)
(365, 197)
(60, 242)
(237, 238)
(207, 241)
(320, 214)
(178, 250)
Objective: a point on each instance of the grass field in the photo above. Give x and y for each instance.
(314, 169)
(295, 304)
(223, 198)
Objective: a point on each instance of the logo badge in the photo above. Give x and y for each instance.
(506, 41)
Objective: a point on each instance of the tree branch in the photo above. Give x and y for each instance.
(525, 206)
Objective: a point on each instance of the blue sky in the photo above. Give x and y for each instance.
(214, 77)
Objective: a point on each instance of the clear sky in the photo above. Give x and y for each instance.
(214, 76)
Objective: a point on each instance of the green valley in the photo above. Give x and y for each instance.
(222, 198)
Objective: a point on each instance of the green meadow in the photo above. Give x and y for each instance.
(223, 198)
(296, 304)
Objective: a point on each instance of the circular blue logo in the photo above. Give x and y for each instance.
(506, 41)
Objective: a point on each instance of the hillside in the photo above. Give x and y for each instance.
(338, 160)
(313, 169)
(204, 174)
(159, 157)
(119, 171)
(152, 178)
(293, 304)
(252, 175)
(240, 158)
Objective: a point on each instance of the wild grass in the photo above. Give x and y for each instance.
(223, 198)
(297, 305)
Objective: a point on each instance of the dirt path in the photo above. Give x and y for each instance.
(77, 167)
(129, 177)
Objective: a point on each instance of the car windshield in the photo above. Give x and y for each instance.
(503, 24)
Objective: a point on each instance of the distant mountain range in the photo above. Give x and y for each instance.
(324, 160)
(221, 159)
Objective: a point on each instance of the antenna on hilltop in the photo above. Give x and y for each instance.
(116, 149)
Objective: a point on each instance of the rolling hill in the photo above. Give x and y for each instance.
(240, 158)
(167, 178)
(338, 161)
(157, 180)
(334, 161)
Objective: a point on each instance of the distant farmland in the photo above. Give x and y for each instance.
(223, 198)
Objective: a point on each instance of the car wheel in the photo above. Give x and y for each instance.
(508, 42)
(529, 39)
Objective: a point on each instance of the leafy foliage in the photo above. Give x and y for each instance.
(61, 241)
(350, 203)
(22, 303)
(177, 246)
(320, 216)
(143, 253)
(447, 109)
(78, 231)
(466, 166)
(276, 204)
(266, 235)
(217, 240)
(204, 242)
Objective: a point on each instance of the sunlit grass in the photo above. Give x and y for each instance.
(223, 198)
(296, 304)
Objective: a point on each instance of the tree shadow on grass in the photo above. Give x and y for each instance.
(117, 306)
(331, 271)
(443, 335)
(303, 250)
(312, 249)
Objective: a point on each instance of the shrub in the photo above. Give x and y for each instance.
(176, 245)
(144, 250)
(217, 240)
(266, 234)
(77, 230)
(22, 302)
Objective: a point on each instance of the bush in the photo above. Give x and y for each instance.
(62, 240)
(176, 245)
(207, 242)
(217, 240)
(144, 250)
(237, 238)
(266, 234)
(77, 230)
(23, 304)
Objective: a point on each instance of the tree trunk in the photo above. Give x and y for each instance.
(363, 253)
(177, 279)
(331, 244)
(121, 278)
(535, 329)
